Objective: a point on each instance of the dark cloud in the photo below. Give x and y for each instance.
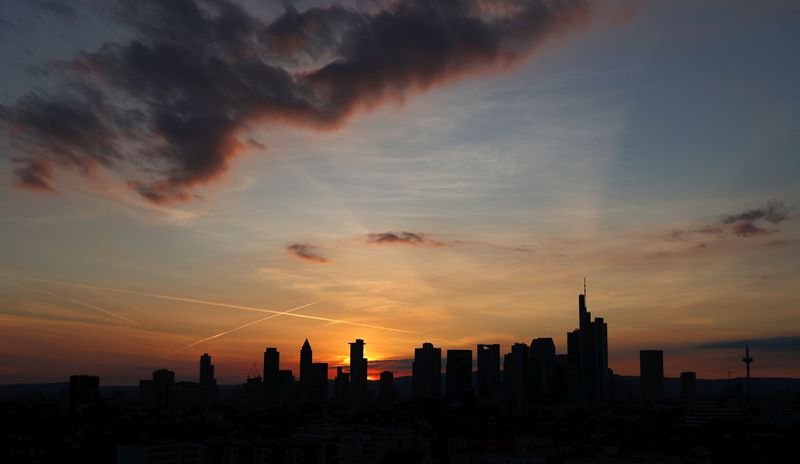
(198, 74)
(306, 252)
(402, 238)
(787, 343)
(749, 223)
(745, 224)
(62, 9)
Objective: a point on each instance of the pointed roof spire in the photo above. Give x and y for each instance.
(306, 345)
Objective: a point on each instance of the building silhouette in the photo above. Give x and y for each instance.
(488, 371)
(270, 373)
(651, 375)
(83, 389)
(163, 381)
(544, 367)
(587, 348)
(386, 391)
(306, 359)
(341, 384)
(688, 385)
(427, 372)
(208, 384)
(516, 379)
(358, 369)
(459, 374)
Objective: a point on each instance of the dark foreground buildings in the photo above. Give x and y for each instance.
(530, 405)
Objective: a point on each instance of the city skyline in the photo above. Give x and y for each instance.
(174, 175)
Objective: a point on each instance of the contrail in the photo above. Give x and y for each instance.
(121, 302)
(272, 316)
(81, 303)
(215, 303)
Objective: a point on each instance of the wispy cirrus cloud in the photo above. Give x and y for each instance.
(307, 252)
(403, 238)
(168, 107)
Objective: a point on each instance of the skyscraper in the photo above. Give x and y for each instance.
(588, 356)
(163, 381)
(543, 365)
(516, 374)
(207, 382)
(358, 369)
(459, 374)
(306, 359)
(651, 375)
(488, 371)
(272, 367)
(386, 390)
(427, 372)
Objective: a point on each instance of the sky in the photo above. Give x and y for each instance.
(396, 171)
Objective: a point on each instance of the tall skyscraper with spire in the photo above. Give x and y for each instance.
(306, 359)
(587, 348)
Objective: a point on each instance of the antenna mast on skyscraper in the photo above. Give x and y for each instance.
(584, 286)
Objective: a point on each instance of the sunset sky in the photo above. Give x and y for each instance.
(445, 172)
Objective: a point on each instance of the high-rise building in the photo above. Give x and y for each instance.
(208, 383)
(163, 381)
(516, 379)
(386, 387)
(588, 355)
(427, 372)
(306, 359)
(688, 385)
(488, 371)
(206, 371)
(358, 369)
(341, 384)
(318, 384)
(272, 367)
(543, 376)
(651, 375)
(459, 374)
(83, 389)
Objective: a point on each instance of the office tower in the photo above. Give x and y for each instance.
(318, 385)
(341, 384)
(358, 369)
(516, 373)
(688, 385)
(163, 381)
(427, 372)
(488, 371)
(386, 387)
(285, 385)
(83, 389)
(272, 362)
(306, 359)
(207, 382)
(272, 367)
(543, 365)
(459, 374)
(651, 375)
(588, 354)
(206, 372)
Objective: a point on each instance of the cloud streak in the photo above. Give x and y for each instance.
(168, 107)
(402, 238)
(306, 252)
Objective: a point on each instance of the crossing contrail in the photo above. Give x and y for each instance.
(271, 316)
(218, 304)
(80, 303)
